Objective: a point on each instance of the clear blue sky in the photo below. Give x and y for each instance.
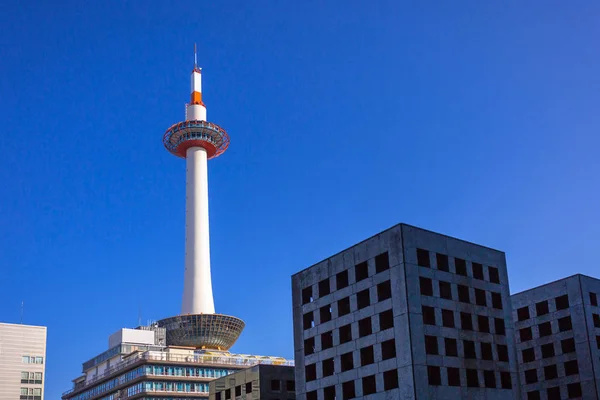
(475, 119)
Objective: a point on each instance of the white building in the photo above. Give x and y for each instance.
(22, 362)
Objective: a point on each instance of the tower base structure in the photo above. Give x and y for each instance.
(202, 331)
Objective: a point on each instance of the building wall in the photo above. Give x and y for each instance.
(407, 335)
(16, 342)
(261, 382)
(557, 340)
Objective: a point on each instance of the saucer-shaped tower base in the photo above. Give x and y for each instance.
(203, 331)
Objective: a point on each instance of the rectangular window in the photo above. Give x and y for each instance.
(523, 313)
(310, 372)
(428, 315)
(341, 280)
(324, 288)
(548, 350)
(461, 266)
(496, 300)
(574, 390)
(542, 308)
(26, 359)
(368, 384)
(562, 302)
(480, 299)
(433, 375)
(388, 349)
(469, 349)
(593, 299)
(553, 393)
(545, 329)
(550, 372)
(442, 262)
(345, 333)
(531, 376)
(325, 313)
(382, 262)
(596, 320)
(329, 392)
(326, 340)
(502, 350)
(343, 306)
(307, 296)
(431, 345)
(423, 258)
(386, 320)
(533, 395)
(528, 355)
(484, 323)
(477, 271)
(447, 318)
(363, 299)
(445, 290)
(348, 390)
(453, 376)
(567, 345)
(494, 274)
(361, 271)
(275, 386)
(499, 325)
(328, 368)
(384, 291)
(466, 322)
(486, 351)
(472, 378)
(450, 347)
(564, 324)
(308, 320)
(390, 379)
(290, 386)
(309, 346)
(248, 387)
(347, 362)
(525, 334)
(571, 368)
(463, 294)
(367, 356)
(489, 379)
(312, 395)
(426, 286)
(506, 380)
(364, 327)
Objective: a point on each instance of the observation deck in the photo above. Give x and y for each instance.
(183, 135)
(203, 331)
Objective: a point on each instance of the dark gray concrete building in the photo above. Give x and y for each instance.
(558, 339)
(261, 382)
(405, 314)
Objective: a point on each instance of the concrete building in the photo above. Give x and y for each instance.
(22, 362)
(405, 314)
(262, 382)
(558, 339)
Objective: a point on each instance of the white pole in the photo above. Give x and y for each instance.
(197, 290)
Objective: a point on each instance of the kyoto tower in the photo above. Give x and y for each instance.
(198, 141)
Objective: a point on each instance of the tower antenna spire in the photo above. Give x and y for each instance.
(195, 57)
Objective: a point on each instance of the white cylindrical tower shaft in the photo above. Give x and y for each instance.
(197, 289)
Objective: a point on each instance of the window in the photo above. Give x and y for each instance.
(445, 290)
(480, 299)
(426, 286)
(548, 350)
(477, 271)
(328, 368)
(384, 291)
(345, 334)
(390, 379)
(562, 302)
(505, 380)
(494, 275)
(574, 390)
(428, 315)
(361, 271)
(309, 346)
(533, 395)
(484, 323)
(434, 376)
(489, 379)
(329, 392)
(567, 345)
(523, 313)
(545, 329)
(311, 372)
(486, 351)
(502, 350)
(346, 361)
(327, 340)
(499, 325)
(463, 294)
(307, 296)
(598, 342)
(564, 324)
(423, 258)
(367, 356)
(447, 318)
(25, 359)
(311, 395)
(531, 376)
(341, 280)
(386, 320)
(528, 355)
(388, 349)
(348, 391)
(364, 327)
(227, 394)
(525, 334)
(571, 368)
(325, 313)
(450, 347)
(308, 320)
(290, 386)
(362, 299)
(550, 372)
(453, 376)
(553, 393)
(324, 289)
(593, 299)
(596, 320)
(343, 306)
(496, 300)
(469, 349)
(368, 384)
(472, 378)
(466, 322)
(460, 266)
(442, 262)
(275, 385)
(541, 308)
(249, 387)
(382, 262)
(431, 345)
